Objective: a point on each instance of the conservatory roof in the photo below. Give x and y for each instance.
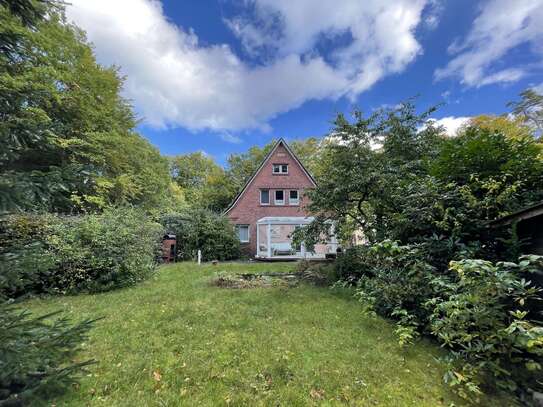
(285, 220)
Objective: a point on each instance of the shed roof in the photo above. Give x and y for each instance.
(523, 214)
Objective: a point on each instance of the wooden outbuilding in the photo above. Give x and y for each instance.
(529, 227)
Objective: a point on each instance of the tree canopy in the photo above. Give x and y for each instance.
(397, 177)
(530, 109)
(67, 138)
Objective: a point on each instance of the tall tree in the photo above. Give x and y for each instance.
(395, 177)
(513, 127)
(60, 111)
(359, 183)
(242, 166)
(204, 182)
(530, 108)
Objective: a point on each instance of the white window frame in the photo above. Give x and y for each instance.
(275, 201)
(238, 227)
(269, 197)
(279, 168)
(295, 202)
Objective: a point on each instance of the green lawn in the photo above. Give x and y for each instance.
(175, 340)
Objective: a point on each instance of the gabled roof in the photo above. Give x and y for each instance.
(279, 142)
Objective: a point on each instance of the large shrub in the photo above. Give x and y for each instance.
(37, 355)
(203, 230)
(99, 252)
(396, 282)
(353, 263)
(486, 318)
(23, 254)
(487, 315)
(90, 253)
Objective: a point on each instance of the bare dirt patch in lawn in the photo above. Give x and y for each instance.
(268, 280)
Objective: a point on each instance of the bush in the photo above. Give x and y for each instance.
(484, 318)
(36, 355)
(92, 253)
(353, 263)
(318, 272)
(203, 230)
(396, 284)
(101, 252)
(23, 253)
(486, 314)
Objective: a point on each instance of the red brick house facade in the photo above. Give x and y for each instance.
(272, 204)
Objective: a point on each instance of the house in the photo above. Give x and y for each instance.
(272, 205)
(529, 223)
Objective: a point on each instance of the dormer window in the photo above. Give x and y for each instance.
(280, 168)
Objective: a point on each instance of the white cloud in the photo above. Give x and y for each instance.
(451, 124)
(381, 32)
(230, 138)
(501, 26)
(174, 80)
(434, 11)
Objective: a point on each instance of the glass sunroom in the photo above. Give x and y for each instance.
(273, 240)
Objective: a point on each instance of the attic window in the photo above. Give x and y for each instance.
(280, 168)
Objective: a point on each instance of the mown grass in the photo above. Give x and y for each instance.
(176, 340)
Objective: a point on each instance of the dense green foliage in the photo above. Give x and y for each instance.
(205, 184)
(482, 312)
(36, 354)
(387, 176)
(67, 144)
(56, 254)
(67, 140)
(200, 229)
(423, 201)
(483, 315)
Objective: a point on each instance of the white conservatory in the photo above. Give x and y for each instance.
(273, 240)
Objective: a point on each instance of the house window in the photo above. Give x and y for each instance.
(243, 233)
(293, 198)
(264, 197)
(280, 168)
(279, 197)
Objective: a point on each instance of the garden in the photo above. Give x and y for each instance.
(435, 306)
(178, 339)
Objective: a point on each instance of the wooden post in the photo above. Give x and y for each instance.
(199, 257)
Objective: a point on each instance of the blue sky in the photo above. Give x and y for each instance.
(221, 75)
